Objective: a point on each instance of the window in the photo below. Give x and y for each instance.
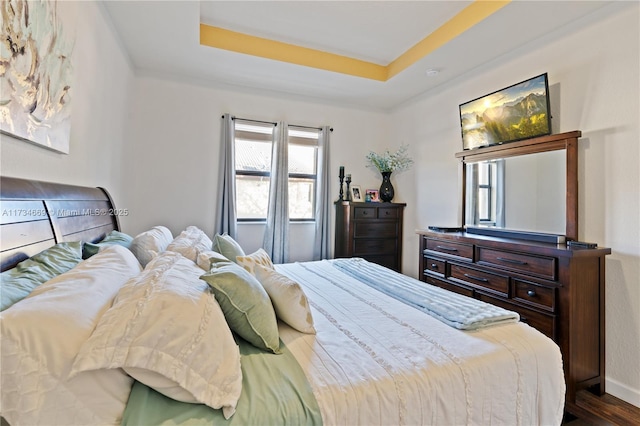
(486, 192)
(253, 168)
(253, 148)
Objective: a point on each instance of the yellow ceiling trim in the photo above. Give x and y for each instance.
(243, 43)
(222, 38)
(467, 18)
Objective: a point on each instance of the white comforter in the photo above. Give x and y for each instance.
(374, 360)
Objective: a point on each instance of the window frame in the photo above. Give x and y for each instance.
(291, 140)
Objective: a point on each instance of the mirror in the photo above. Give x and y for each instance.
(525, 187)
(525, 193)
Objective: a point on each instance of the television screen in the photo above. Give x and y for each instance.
(517, 112)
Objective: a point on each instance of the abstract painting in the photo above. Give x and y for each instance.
(36, 71)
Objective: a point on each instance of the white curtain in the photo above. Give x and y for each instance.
(276, 236)
(323, 204)
(226, 220)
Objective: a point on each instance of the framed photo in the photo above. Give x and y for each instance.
(356, 193)
(372, 196)
(517, 112)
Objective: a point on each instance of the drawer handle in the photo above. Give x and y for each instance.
(447, 248)
(473, 277)
(514, 261)
(434, 266)
(531, 293)
(364, 213)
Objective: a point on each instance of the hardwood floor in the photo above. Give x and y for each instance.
(602, 410)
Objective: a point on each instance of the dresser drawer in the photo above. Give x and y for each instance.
(434, 265)
(493, 282)
(545, 323)
(364, 212)
(387, 213)
(375, 229)
(363, 246)
(448, 286)
(543, 267)
(460, 250)
(534, 294)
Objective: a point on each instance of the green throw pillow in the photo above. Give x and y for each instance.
(17, 283)
(114, 237)
(227, 246)
(245, 304)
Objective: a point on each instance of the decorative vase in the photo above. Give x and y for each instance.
(386, 189)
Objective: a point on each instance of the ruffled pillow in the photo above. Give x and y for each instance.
(167, 331)
(147, 245)
(190, 243)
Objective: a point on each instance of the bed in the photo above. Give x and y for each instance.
(381, 349)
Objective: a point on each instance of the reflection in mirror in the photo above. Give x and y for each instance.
(524, 193)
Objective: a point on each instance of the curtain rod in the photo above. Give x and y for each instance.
(253, 121)
(275, 124)
(309, 127)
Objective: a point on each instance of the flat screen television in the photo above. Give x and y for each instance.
(520, 111)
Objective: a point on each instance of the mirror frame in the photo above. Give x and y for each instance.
(566, 141)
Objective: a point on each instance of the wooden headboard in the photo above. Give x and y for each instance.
(35, 215)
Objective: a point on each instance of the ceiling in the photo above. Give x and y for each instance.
(379, 54)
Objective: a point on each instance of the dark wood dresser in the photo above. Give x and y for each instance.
(372, 231)
(555, 289)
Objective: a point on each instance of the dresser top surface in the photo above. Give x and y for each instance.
(370, 204)
(516, 244)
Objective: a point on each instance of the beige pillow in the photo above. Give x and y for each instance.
(288, 299)
(259, 257)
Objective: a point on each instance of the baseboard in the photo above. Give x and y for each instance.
(624, 392)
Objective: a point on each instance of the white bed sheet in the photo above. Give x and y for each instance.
(375, 360)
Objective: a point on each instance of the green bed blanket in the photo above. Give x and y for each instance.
(275, 391)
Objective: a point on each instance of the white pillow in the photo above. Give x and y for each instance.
(42, 335)
(147, 245)
(167, 330)
(190, 243)
(258, 257)
(208, 258)
(288, 299)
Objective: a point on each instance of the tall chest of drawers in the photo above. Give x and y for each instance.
(372, 231)
(555, 289)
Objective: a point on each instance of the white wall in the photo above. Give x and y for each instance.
(593, 68)
(100, 95)
(173, 147)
